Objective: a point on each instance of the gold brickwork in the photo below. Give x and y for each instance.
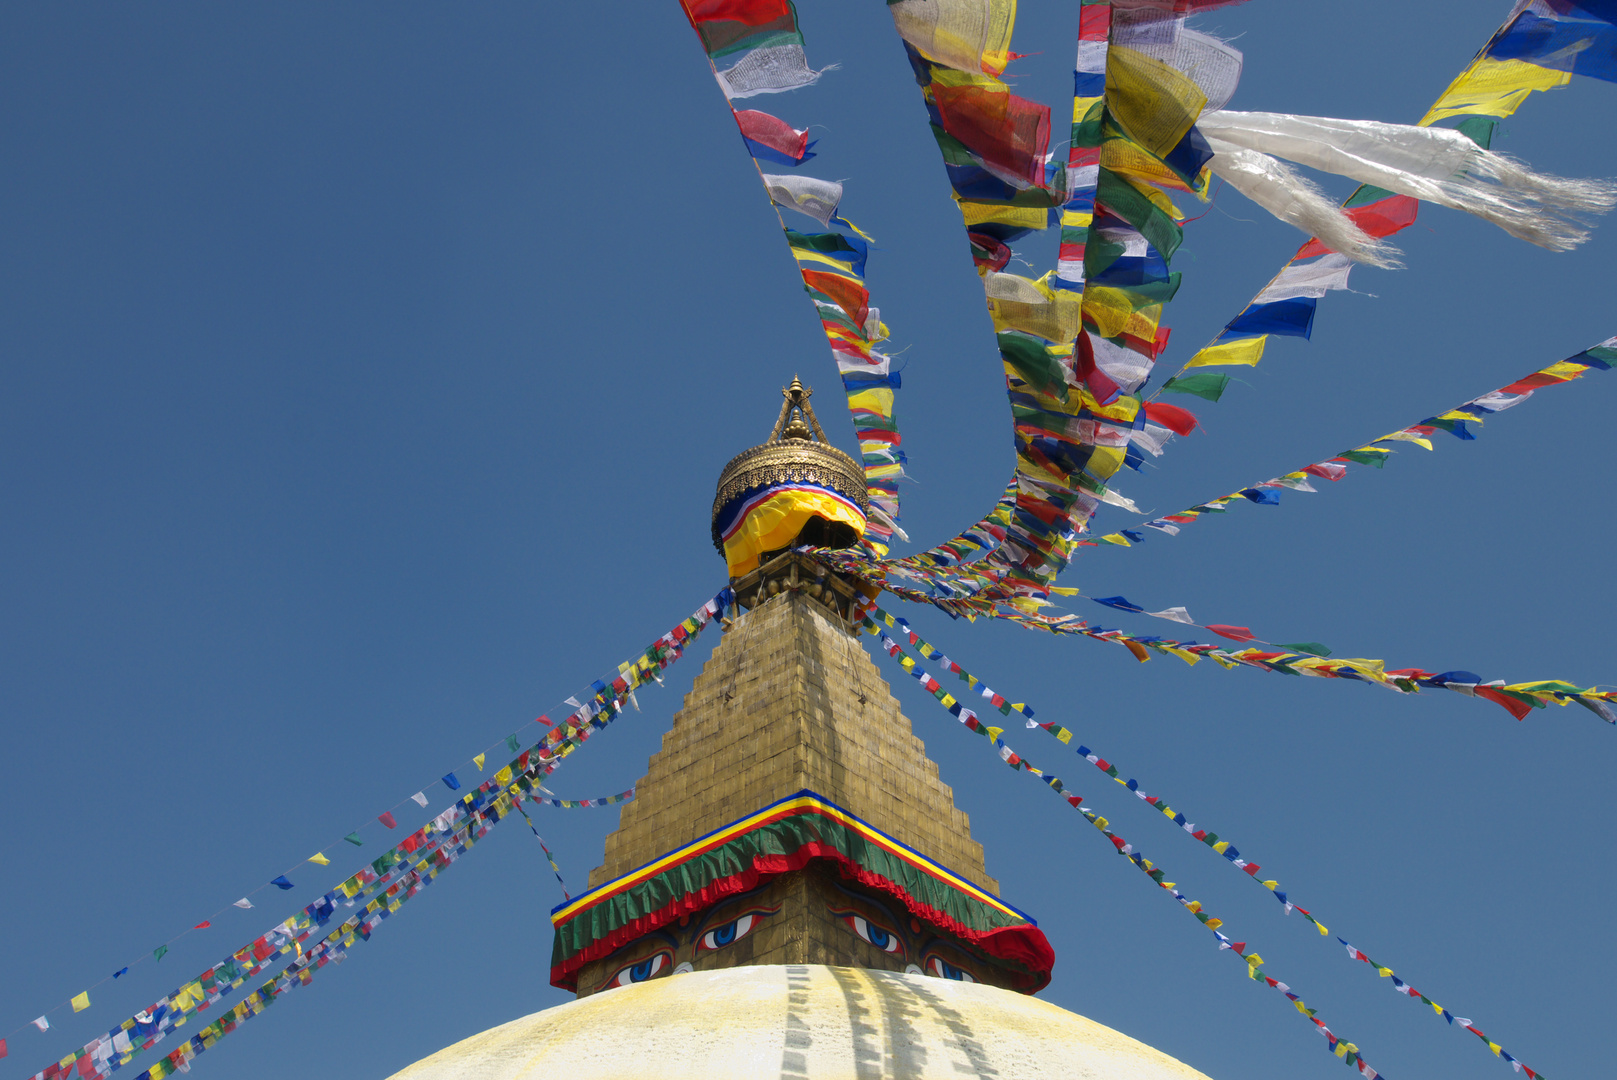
(791, 700)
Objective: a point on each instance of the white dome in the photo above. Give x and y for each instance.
(808, 1021)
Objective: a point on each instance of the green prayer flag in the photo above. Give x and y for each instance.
(1204, 384)
(512, 744)
(1367, 194)
(1364, 457)
(159, 951)
(1127, 202)
(1479, 129)
(1033, 363)
(353, 838)
(1308, 647)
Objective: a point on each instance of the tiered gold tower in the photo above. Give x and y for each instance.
(793, 892)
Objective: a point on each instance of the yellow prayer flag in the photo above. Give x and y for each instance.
(478, 760)
(1246, 351)
(503, 777)
(995, 732)
(81, 1002)
(1117, 538)
(1411, 437)
(319, 859)
(1384, 972)
(1022, 217)
(1492, 87)
(1214, 924)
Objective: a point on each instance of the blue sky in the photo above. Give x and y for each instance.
(367, 371)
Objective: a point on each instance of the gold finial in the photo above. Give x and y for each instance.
(796, 415)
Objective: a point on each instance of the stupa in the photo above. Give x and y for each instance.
(793, 891)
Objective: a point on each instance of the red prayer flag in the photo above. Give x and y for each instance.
(1380, 218)
(1179, 421)
(389, 820)
(751, 12)
(1533, 382)
(1234, 633)
(203, 925)
(1518, 709)
(772, 132)
(1326, 470)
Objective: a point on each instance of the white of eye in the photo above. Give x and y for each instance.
(949, 971)
(626, 976)
(743, 926)
(888, 942)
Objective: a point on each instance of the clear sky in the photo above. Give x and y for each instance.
(365, 372)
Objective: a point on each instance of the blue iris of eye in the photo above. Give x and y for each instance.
(878, 936)
(641, 971)
(725, 934)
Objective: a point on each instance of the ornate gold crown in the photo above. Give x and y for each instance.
(796, 452)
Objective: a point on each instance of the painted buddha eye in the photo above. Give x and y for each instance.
(645, 969)
(883, 939)
(945, 970)
(730, 932)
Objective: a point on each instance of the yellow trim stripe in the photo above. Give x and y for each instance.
(801, 804)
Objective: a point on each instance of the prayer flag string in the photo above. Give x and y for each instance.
(1518, 699)
(542, 847)
(1223, 847)
(425, 852)
(831, 263)
(1458, 421)
(1342, 1048)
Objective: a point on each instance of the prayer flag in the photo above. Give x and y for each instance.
(244, 903)
(420, 799)
(450, 782)
(353, 838)
(478, 761)
(42, 1024)
(81, 1002)
(157, 954)
(389, 820)
(203, 925)
(120, 971)
(281, 882)
(319, 859)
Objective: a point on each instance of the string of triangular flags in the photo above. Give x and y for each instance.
(549, 857)
(577, 804)
(1518, 699)
(426, 852)
(765, 43)
(1210, 839)
(1342, 1048)
(1458, 421)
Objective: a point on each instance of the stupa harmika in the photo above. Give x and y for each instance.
(793, 892)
